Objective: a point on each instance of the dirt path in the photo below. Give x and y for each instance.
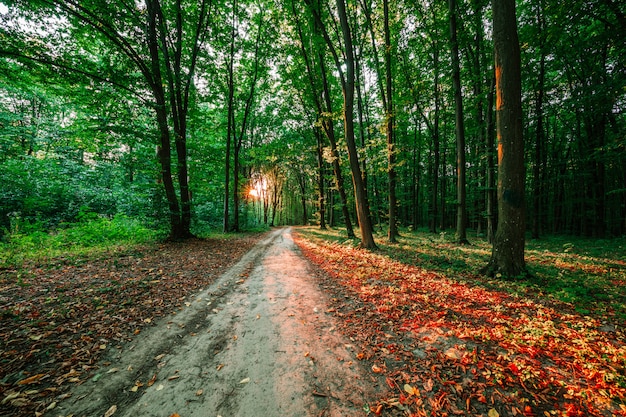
(256, 343)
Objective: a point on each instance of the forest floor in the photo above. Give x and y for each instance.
(250, 327)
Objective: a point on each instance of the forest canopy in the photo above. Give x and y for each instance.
(204, 114)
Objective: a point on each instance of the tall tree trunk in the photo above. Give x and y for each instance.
(230, 127)
(389, 128)
(320, 179)
(491, 167)
(325, 107)
(507, 257)
(539, 137)
(434, 211)
(461, 217)
(365, 225)
(164, 152)
(238, 140)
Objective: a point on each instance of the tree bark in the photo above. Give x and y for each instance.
(461, 217)
(320, 179)
(491, 167)
(323, 108)
(389, 128)
(507, 258)
(365, 224)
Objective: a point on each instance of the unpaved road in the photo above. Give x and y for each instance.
(257, 343)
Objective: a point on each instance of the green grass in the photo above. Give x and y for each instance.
(90, 237)
(588, 274)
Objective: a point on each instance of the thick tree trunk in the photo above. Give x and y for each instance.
(507, 258)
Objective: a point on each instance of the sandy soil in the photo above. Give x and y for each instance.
(257, 343)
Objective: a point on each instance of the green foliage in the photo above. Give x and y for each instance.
(93, 234)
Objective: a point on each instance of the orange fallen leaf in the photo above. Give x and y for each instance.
(31, 379)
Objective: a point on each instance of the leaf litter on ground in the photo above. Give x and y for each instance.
(58, 318)
(455, 348)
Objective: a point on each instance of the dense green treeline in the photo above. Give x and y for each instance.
(208, 114)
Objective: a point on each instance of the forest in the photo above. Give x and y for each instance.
(458, 169)
(208, 115)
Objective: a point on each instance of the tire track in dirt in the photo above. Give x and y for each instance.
(255, 343)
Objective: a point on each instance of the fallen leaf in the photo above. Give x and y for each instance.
(377, 369)
(152, 380)
(411, 390)
(199, 392)
(159, 388)
(454, 353)
(111, 411)
(244, 381)
(493, 413)
(10, 396)
(428, 385)
(31, 379)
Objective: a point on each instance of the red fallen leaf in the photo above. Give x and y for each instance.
(514, 368)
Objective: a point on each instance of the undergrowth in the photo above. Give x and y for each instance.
(93, 235)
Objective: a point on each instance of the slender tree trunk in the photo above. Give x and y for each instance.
(539, 138)
(365, 225)
(390, 120)
(461, 217)
(491, 167)
(229, 128)
(507, 258)
(325, 107)
(164, 152)
(436, 147)
(320, 179)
